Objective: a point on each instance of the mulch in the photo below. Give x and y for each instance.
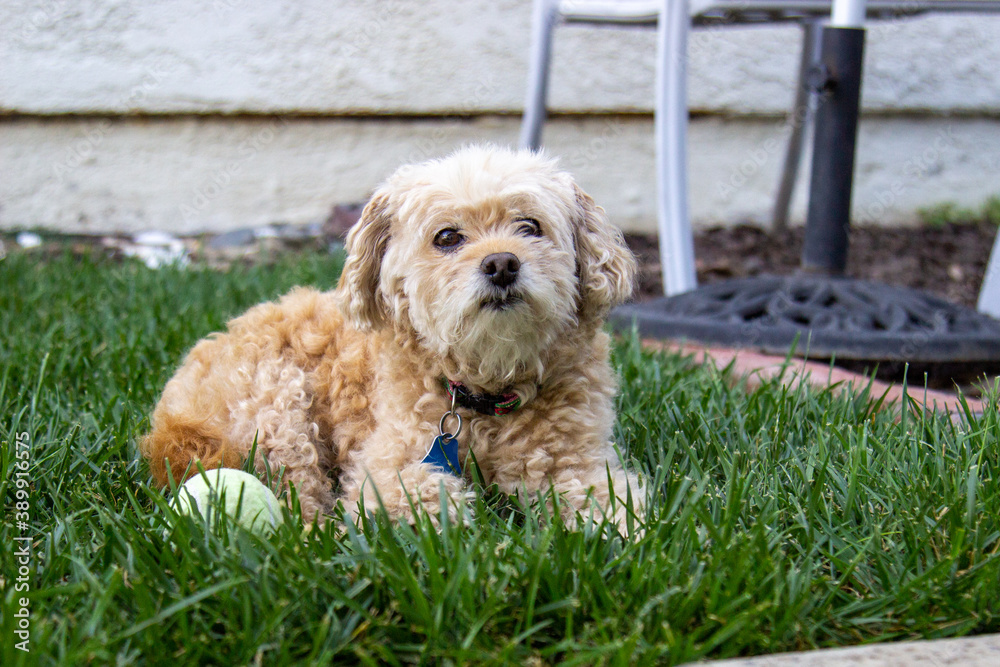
(949, 260)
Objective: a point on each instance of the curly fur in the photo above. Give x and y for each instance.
(349, 382)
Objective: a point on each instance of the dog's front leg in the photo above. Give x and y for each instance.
(387, 471)
(586, 484)
(602, 489)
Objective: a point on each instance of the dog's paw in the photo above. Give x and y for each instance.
(438, 495)
(415, 490)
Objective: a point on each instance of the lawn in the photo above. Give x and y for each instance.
(778, 519)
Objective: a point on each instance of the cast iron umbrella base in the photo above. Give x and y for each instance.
(823, 317)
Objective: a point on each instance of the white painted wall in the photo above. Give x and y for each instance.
(70, 71)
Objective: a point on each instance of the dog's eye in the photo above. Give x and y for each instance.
(529, 227)
(448, 239)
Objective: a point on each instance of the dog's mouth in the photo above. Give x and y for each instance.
(502, 301)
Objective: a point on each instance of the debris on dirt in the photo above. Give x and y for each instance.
(153, 248)
(948, 260)
(341, 219)
(28, 240)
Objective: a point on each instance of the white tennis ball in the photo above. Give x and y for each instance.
(244, 497)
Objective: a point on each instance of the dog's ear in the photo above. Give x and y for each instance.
(605, 265)
(358, 293)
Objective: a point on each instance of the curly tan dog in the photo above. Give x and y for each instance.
(485, 276)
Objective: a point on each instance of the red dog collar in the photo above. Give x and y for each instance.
(484, 404)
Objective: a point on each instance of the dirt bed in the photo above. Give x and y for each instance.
(948, 261)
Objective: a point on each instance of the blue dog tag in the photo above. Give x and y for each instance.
(444, 454)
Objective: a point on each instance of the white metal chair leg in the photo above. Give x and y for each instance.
(676, 240)
(989, 294)
(542, 21)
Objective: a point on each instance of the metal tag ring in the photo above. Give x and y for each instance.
(441, 424)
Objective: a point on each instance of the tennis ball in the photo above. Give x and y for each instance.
(244, 497)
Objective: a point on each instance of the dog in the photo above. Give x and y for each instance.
(469, 314)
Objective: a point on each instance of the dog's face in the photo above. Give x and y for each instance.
(488, 256)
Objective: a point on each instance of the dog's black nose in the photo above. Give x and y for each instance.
(501, 268)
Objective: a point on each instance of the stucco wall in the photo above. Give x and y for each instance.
(195, 81)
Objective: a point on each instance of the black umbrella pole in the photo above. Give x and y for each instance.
(829, 214)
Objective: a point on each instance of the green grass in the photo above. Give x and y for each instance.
(779, 519)
(950, 213)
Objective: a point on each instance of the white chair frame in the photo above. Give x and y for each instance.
(673, 19)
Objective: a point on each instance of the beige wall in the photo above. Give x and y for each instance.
(124, 115)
